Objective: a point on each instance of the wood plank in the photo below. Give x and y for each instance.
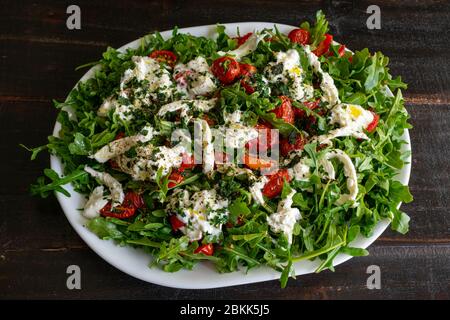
(407, 272)
(39, 34)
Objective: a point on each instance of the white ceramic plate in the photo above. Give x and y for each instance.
(135, 262)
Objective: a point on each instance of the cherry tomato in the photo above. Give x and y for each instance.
(299, 36)
(310, 105)
(256, 163)
(258, 144)
(164, 56)
(275, 184)
(371, 127)
(175, 179)
(324, 46)
(206, 249)
(247, 69)
(285, 111)
(221, 157)
(241, 40)
(245, 83)
(208, 120)
(188, 162)
(341, 50)
(176, 223)
(226, 69)
(286, 145)
(126, 209)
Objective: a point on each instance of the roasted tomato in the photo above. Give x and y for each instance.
(256, 163)
(176, 223)
(188, 162)
(371, 127)
(241, 40)
(126, 209)
(226, 69)
(164, 56)
(206, 249)
(299, 36)
(285, 110)
(275, 184)
(175, 179)
(310, 105)
(259, 144)
(324, 46)
(287, 144)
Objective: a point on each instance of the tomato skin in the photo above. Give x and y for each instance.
(247, 87)
(299, 36)
(285, 110)
(175, 179)
(324, 46)
(371, 127)
(226, 69)
(247, 69)
(275, 184)
(286, 146)
(164, 56)
(341, 50)
(188, 162)
(206, 249)
(243, 39)
(311, 105)
(208, 120)
(256, 163)
(260, 144)
(126, 209)
(176, 223)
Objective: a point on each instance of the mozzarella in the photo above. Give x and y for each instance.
(234, 117)
(331, 93)
(351, 118)
(95, 203)
(349, 172)
(246, 48)
(120, 146)
(168, 158)
(237, 135)
(185, 106)
(199, 212)
(285, 218)
(208, 148)
(114, 186)
(200, 78)
(300, 171)
(256, 190)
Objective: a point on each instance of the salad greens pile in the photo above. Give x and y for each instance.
(325, 227)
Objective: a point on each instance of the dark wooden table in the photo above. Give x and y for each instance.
(38, 55)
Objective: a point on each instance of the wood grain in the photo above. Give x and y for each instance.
(38, 55)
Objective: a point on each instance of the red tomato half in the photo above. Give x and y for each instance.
(258, 144)
(241, 40)
(127, 209)
(299, 36)
(176, 223)
(286, 145)
(285, 111)
(226, 69)
(371, 127)
(175, 179)
(310, 105)
(324, 46)
(164, 56)
(275, 184)
(206, 249)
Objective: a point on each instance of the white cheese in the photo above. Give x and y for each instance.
(107, 105)
(185, 106)
(120, 146)
(351, 118)
(331, 93)
(201, 213)
(349, 172)
(194, 78)
(246, 48)
(256, 190)
(234, 117)
(95, 203)
(168, 158)
(237, 135)
(300, 171)
(285, 218)
(114, 186)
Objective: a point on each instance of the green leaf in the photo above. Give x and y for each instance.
(80, 146)
(104, 229)
(400, 223)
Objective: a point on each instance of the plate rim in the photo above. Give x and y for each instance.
(169, 279)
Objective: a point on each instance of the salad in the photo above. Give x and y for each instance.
(262, 149)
